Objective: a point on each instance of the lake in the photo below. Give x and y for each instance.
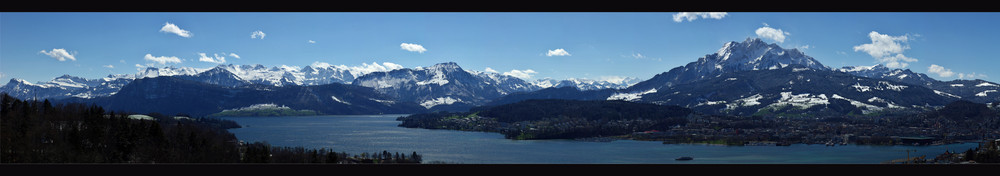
(355, 134)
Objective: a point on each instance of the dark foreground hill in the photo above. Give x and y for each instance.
(43, 132)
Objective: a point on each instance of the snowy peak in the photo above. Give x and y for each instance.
(879, 71)
(751, 54)
(755, 54)
(586, 84)
(15, 81)
(152, 72)
(445, 65)
(878, 68)
(443, 82)
(748, 44)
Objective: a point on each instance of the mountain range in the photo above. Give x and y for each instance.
(240, 75)
(742, 78)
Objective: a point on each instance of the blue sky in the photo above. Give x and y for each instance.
(42, 46)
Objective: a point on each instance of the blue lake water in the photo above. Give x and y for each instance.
(374, 133)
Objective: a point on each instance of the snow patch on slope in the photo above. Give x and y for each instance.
(438, 79)
(866, 107)
(748, 101)
(986, 84)
(630, 96)
(861, 88)
(946, 94)
(983, 94)
(439, 101)
(803, 101)
(338, 100)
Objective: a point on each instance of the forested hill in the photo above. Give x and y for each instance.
(530, 110)
(46, 132)
(556, 119)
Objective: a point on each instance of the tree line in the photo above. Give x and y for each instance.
(42, 132)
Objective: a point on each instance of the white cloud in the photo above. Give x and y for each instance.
(366, 68)
(311, 41)
(941, 71)
(842, 53)
(257, 34)
(319, 64)
(108, 66)
(882, 45)
(59, 54)
(771, 33)
(804, 47)
(613, 79)
(557, 52)
(897, 61)
(523, 74)
(144, 66)
(491, 70)
(162, 59)
(638, 56)
(972, 75)
(215, 59)
(122, 61)
(887, 49)
(234, 55)
(171, 28)
(412, 47)
(2, 75)
(691, 16)
(391, 66)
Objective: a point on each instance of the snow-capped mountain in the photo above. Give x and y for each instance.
(586, 84)
(443, 84)
(224, 75)
(756, 78)
(879, 71)
(239, 75)
(65, 86)
(152, 72)
(797, 90)
(172, 95)
(751, 54)
(979, 91)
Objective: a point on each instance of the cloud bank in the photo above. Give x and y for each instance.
(162, 59)
(691, 16)
(523, 74)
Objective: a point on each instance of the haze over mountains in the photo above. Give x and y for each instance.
(742, 78)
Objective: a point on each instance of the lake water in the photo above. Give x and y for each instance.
(374, 133)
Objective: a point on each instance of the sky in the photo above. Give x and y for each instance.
(559, 45)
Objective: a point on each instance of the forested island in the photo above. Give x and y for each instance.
(42, 132)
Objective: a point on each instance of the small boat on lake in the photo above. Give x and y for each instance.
(684, 158)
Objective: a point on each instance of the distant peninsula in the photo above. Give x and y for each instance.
(263, 110)
(556, 119)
